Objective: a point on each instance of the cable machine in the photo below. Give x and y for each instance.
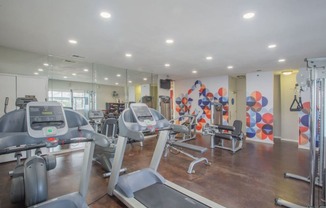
(165, 106)
(314, 77)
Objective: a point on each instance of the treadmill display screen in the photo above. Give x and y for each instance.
(44, 116)
(142, 113)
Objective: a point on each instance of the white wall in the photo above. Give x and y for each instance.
(14, 86)
(289, 119)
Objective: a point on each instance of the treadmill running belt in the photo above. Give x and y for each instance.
(162, 196)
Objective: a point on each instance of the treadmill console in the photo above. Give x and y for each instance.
(95, 114)
(142, 114)
(46, 119)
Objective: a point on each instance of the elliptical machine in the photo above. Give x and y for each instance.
(109, 127)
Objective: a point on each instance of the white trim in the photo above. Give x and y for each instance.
(258, 140)
(303, 147)
(289, 140)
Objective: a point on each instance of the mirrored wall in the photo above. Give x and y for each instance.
(78, 84)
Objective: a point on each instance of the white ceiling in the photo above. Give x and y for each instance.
(199, 28)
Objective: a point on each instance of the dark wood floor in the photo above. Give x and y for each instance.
(253, 177)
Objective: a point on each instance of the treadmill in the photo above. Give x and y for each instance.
(146, 187)
(49, 125)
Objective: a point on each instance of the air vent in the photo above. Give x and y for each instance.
(69, 61)
(78, 56)
(241, 76)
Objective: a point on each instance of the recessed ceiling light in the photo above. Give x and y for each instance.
(281, 60)
(73, 74)
(230, 67)
(128, 55)
(73, 41)
(85, 70)
(106, 78)
(40, 69)
(130, 81)
(145, 79)
(105, 15)
(167, 65)
(209, 58)
(272, 46)
(118, 75)
(116, 83)
(45, 64)
(36, 73)
(194, 72)
(169, 41)
(248, 15)
(287, 72)
(65, 77)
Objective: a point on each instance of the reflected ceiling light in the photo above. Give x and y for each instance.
(169, 41)
(40, 69)
(105, 15)
(272, 46)
(281, 60)
(73, 41)
(145, 79)
(209, 58)
(106, 78)
(287, 72)
(116, 83)
(194, 72)
(130, 81)
(167, 65)
(230, 67)
(118, 75)
(128, 55)
(36, 73)
(85, 70)
(73, 74)
(248, 15)
(45, 64)
(65, 77)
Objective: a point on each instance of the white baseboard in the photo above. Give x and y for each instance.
(258, 140)
(288, 140)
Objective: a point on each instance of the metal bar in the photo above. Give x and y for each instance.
(159, 149)
(313, 120)
(86, 169)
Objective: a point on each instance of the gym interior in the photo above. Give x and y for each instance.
(162, 103)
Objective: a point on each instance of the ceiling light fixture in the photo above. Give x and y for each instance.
(45, 64)
(40, 69)
(230, 67)
(209, 58)
(73, 74)
(118, 75)
(128, 55)
(248, 15)
(116, 83)
(36, 73)
(169, 41)
(145, 79)
(73, 41)
(106, 78)
(85, 70)
(167, 65)
(105, 15)
(194, 72)
(281, 60)
(130, 81)
(272, 46)
(286, 73)
(65, 77)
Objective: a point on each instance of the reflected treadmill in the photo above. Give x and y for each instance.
(146, 187)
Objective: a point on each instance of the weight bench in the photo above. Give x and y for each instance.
(223, 132)
(176, 145)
